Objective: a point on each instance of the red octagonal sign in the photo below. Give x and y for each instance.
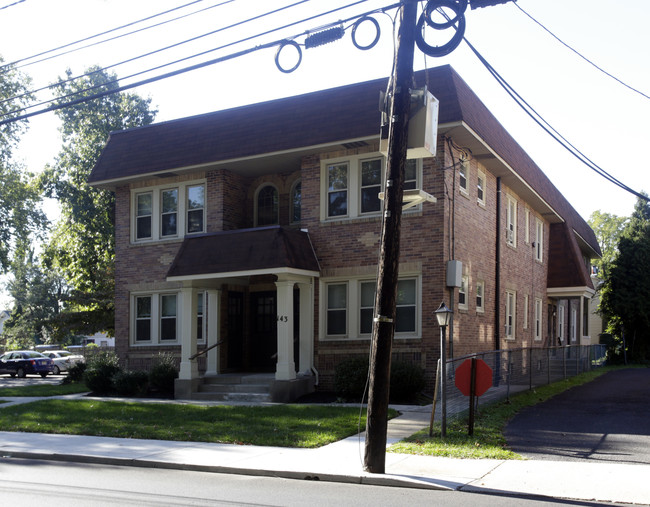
(482, 381)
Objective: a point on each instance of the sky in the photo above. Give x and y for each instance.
(601, 117)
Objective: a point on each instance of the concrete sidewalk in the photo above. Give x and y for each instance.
(343, 462)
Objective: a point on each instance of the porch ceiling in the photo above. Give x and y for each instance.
(265, 250)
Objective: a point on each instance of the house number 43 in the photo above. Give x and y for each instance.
(283, 318)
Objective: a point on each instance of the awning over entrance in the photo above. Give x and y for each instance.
(266, 250)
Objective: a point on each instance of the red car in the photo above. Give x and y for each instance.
(19, 363)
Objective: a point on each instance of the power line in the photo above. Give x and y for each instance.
(54, 106)
(15, 62)
(149, 54)
(537, 118)
(11, 5)
(580, 55)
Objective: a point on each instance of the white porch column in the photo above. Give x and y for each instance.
(285, 367)
(212, 331)
(189, 300)
(306, 354)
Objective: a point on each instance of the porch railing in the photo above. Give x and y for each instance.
(205, 350)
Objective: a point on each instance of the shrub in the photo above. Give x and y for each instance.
(350, 378)
(75, 373)
(163, 373)
(100, 372)
(406, 381)
(131, 383)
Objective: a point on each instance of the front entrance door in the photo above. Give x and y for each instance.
(264, 335)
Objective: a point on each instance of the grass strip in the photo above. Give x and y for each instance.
(43, 390)
(488, 441)
(305, 426)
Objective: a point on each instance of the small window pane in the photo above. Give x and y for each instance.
(410, 174)
(144, 204)
(336, 309)
(169, 212)
(406, 292)
(337, 184)
(168, 306)
(168, 317)
(367, 307)
(370, 185)
(143, 318)
(195, 207)
(195, 197)
(405, 314)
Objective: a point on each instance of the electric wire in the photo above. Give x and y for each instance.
(15, 62)
(579, 54)
(56, 104)
(11, 5)
(196, 55)
(537, 118)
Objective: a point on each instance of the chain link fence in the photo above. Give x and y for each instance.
(521, 369)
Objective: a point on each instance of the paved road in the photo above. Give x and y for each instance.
(604, 420)
(30, 380)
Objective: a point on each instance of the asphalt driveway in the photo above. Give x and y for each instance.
(607, 419)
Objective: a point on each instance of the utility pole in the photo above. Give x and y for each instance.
(383, 328)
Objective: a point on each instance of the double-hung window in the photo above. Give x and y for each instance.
(538, 319)
(539, 240)
(370, 185)
(480, 188)
(511, 222)
(143, 319)
(337, 189)
(168, 317)
(511, 298)
(480, 296)
(462, 293)
(464, 176)
(337, 304)
(161, 213)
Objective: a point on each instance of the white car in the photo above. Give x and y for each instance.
(63, 360)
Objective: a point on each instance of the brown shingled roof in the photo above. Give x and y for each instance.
(319, 118)
(247, 250)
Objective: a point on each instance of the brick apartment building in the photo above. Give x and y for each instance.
(257, 228)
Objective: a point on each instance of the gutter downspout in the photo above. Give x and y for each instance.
(497, 273)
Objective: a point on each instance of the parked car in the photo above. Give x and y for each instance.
(63, 360)
(19, 363)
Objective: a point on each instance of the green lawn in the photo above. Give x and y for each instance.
(488, 440)
(276, 425)
(43, 390)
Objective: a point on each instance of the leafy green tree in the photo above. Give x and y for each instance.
(625, 299)
(608, 229)
(38, 295)
(20, 214)
(82, 243)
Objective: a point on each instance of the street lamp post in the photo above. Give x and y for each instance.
(443, 314)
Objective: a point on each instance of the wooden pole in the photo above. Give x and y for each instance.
(385, 300)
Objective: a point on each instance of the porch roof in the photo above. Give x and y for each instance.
(245, 252)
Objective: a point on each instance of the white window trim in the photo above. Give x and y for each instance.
(511, 222)
(481, 177)
(539, 240)
(465, 283)
(538, 319)
(574, 324)
(560, 322)
(156, 310)
(480, 285)
(156, 215)
(527, 226)
(511, 312)
(354, 186)
(353, 309)
(464, 168)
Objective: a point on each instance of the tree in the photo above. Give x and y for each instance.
(608, 229)
(625, 299)
(82, 244)
(38, 295)
(20, 215)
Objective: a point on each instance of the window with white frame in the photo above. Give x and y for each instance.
(480, 296)
(156, 318)
(539, 240)
(350, 308)
(574, 324)
(167, 212)
(352, 185)
(560, 322)
(511, 222)
(538, 319)
(480, 188)
(337, 309)
(511, 302)
(463, 176)
(462, 293)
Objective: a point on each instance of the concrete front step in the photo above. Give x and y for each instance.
(235, 388)
(243, 397)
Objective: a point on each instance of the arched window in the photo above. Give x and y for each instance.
(267, 206)
(296, 198)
